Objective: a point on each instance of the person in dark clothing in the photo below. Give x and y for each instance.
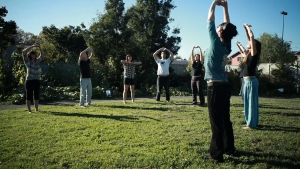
(197, 76)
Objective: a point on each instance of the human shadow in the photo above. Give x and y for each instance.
(277, 107)
(278, 128)
(284, 114)
(237, 105)
(135, 107)
(266, 158)
(113, 117)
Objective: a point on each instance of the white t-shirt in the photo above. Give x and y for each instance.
(163, 66)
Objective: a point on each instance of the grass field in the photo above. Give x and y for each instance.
(145, 134)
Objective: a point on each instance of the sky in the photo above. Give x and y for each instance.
(189, 15)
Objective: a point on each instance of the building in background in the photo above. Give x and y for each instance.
(179, 66)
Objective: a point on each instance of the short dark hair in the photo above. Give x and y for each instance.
(229, 31)
(31, 53)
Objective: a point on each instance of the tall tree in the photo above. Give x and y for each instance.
(68, 41)
(150, 21)
(110, 39)
(8, 30)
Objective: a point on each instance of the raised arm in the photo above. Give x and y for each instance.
(192, 55)
(84, 51)
(252, 41)
(156, 53)
(241, 47)
(171, 54)
(211, 12)
(248, 37)
(25, 51)
(225, 9)
(123, 61)
(41, 52)
(201, 56)
(137, 63)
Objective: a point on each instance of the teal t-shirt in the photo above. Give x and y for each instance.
(215, 56)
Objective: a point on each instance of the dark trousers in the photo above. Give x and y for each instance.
(32, 87)
(196, 84)
(163, 81)
(218, 100)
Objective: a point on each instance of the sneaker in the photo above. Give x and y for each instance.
(124, 102)
(82, 106)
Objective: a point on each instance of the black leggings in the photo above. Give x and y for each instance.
(32, 87)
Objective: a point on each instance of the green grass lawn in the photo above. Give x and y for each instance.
(145, 135)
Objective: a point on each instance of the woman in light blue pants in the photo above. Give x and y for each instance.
(250, 87)
(251, 101)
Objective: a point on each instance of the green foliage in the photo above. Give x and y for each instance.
(17, 99)
(68, 41)
(110, 134)
(7, 31)
(274, 50)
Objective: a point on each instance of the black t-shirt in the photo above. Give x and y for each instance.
(249, 68)
(85, 68)
(196, 68)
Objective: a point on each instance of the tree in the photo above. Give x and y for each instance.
(110, 37)
(68, 41)
(149, 19)
(274, 50)
(8, 30)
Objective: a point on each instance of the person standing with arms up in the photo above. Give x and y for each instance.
(163, 65)
(129, 72)
(32, 63)
(197, 76)
(218, 88)
(85, 76)
(250, 87)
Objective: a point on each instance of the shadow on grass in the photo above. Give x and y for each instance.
(113, 117)
(283, 114)
(278, 107)
(278, 128)
(269, 159)
(134, 107)
(237, 105)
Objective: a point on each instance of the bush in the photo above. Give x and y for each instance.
(17, 99)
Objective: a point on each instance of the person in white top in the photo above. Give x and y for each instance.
(163, 71)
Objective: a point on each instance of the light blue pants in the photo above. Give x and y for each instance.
(251, 101)
(85, 91)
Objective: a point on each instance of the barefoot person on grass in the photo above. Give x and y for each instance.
(129, 72)
(250, 87)
(32, 63)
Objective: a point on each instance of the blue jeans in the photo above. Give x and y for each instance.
(218, 101)
(85, 91)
